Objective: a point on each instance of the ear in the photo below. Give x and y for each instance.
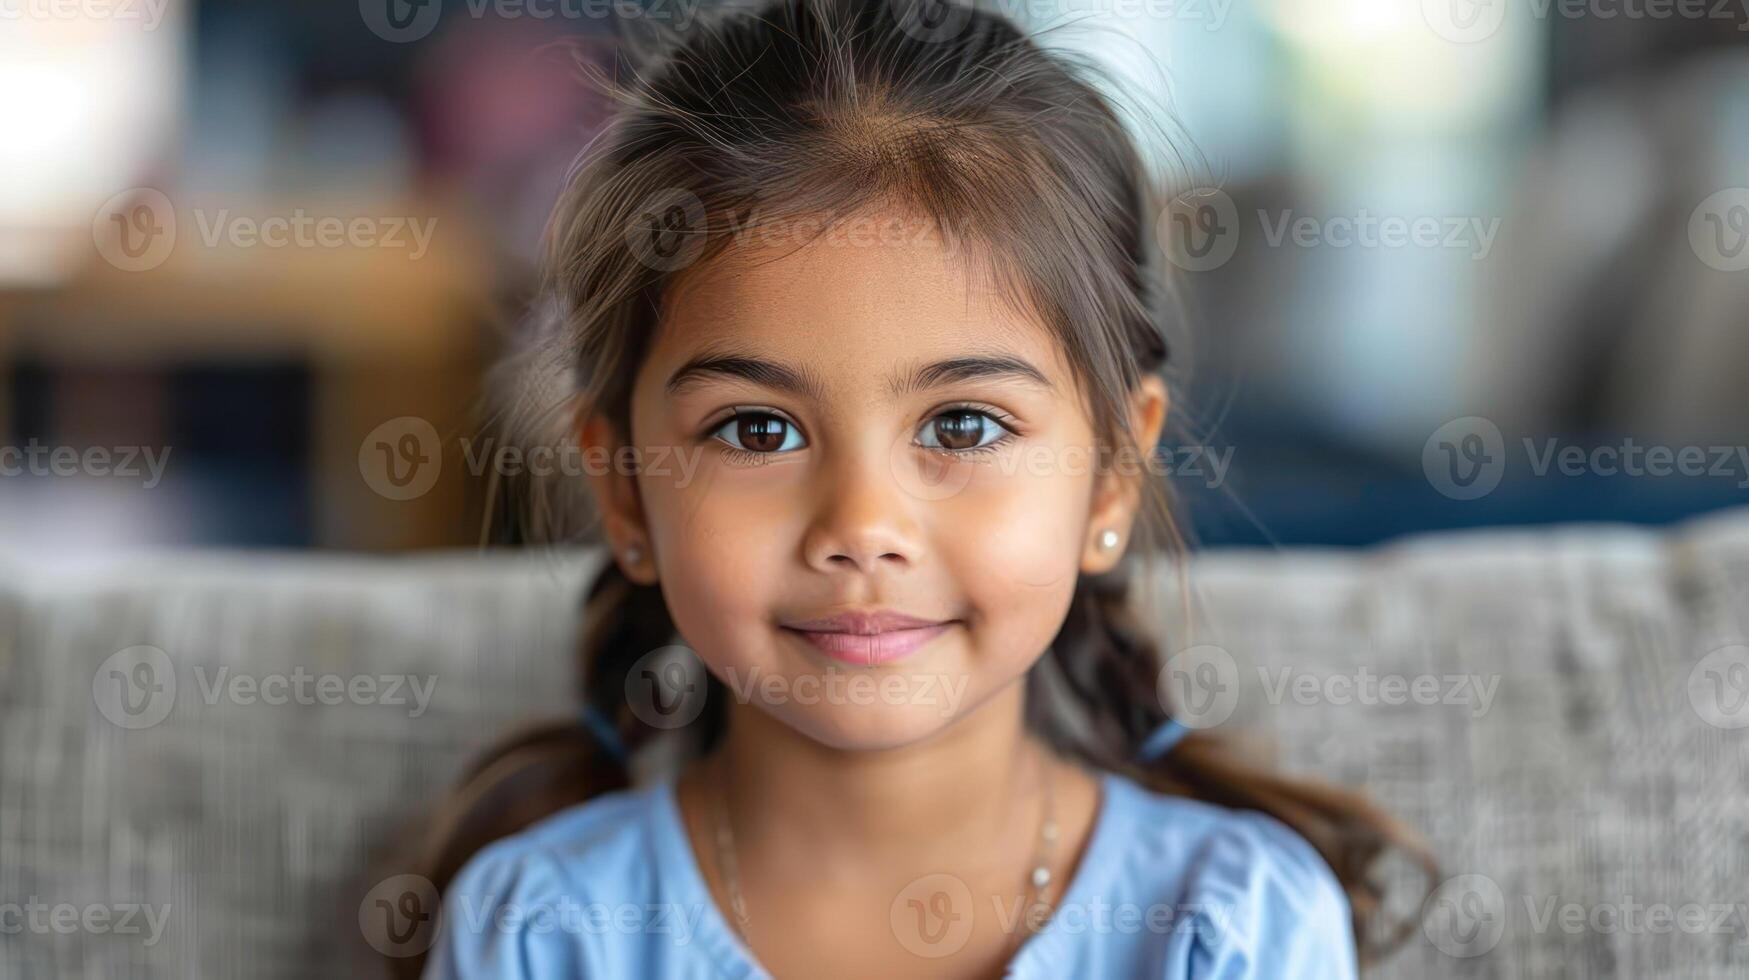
(614, 486)
(1117, 492)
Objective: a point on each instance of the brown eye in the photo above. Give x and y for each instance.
(960, 430)
(760, 432)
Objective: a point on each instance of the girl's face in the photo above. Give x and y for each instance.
(870, 485)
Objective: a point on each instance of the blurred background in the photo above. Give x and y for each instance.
(1447, 262)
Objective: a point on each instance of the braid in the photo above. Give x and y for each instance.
(623, 621)
(1104, 660)
(549, 766)
(626, 621)
(1109, 666)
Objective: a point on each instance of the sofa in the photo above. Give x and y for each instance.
(213, 764)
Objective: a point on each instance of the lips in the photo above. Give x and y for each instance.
(868, 638)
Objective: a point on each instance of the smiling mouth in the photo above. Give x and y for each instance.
(868, 639)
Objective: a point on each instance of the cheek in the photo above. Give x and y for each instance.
(714, 551)
(1014, 541)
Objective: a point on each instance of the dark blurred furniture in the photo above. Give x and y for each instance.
(378, 335)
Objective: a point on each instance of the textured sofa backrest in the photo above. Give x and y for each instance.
(260, 824)
(228, 752)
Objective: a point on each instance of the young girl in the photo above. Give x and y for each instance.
(861, 301)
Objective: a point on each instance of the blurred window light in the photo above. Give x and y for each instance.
(1411, 110)
(1341, 110)
(1197, 80)
(1412, 64)
(91, 99)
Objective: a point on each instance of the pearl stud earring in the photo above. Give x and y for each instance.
(1107, 539)
(633, 554)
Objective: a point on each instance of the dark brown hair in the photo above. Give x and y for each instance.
(810, 108)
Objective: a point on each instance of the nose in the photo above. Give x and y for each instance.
(863, 518)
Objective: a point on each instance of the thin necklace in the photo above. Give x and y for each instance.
(1038, 880)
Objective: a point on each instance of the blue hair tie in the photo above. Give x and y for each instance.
(1162, 740)
(604, 733)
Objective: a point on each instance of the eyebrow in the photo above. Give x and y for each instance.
(781, 377)
(738, 367)
(983, 367)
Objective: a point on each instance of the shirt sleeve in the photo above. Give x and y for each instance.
(499, 919)
(1267, 906)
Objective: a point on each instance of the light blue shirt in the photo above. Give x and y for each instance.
(1167, 887)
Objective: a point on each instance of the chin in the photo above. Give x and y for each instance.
(867, 727)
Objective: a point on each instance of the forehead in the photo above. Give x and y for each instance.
(870, 293)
